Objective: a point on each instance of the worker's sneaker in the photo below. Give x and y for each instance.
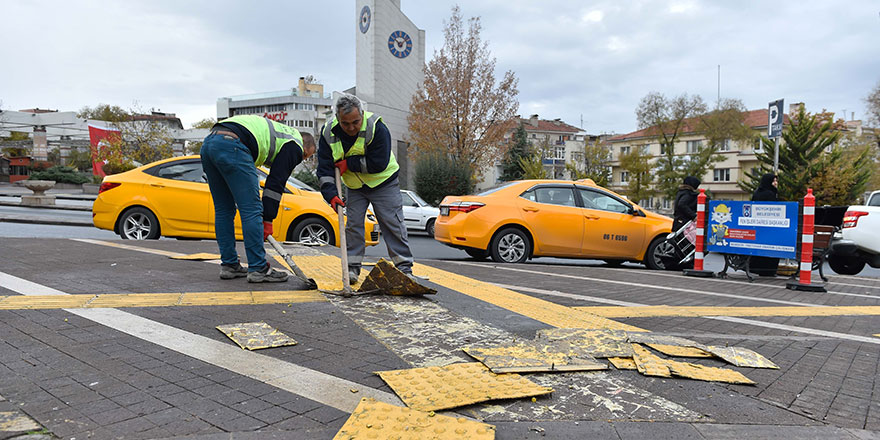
(269, 276)
(353, 275)
(228, 272)
(416, 279)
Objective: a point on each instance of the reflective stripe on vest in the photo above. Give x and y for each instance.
(351, 178)
(271, 136)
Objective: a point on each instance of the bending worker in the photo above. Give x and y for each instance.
(359, 144)
(230, 155)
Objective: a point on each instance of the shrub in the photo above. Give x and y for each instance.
(309, 178)
(438, 176)
(117, 167)
(60, 174)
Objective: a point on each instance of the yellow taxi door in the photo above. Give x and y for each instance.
(610, 227)
(552, 213)
(179, 191)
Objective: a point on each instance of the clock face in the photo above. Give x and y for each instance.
(364, 22)
(400, 44)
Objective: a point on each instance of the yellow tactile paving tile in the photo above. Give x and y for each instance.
(741, 357)
(379, 420)
(650, 364)
(18, 302)
(663, 311)
(16, 421)
(452, 386)
(680, 351)
(540, 310)
(623, 363)
(122, 300)
(255, 335)
(598, 343)
(535, 356)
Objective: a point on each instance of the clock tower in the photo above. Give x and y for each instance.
(390, 60)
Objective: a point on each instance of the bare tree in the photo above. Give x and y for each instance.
(873, 101)
(459, 110)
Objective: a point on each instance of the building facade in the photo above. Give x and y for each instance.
(304, 107)
(558, 143)
(721, 180)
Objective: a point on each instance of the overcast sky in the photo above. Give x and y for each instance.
(590, 60)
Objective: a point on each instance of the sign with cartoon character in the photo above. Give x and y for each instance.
(766, 229)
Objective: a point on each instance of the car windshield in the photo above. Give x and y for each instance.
(419, 199)
(293, 181)
(497, 188)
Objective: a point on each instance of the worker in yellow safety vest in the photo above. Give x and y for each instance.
(359, 144)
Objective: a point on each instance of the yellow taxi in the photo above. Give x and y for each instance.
(171, 198)
(552, 218)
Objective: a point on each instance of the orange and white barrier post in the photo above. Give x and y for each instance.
(806, 261)
(699, 251)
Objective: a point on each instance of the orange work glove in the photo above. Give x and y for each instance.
(342, 165)
(267, 230)
(336, 201)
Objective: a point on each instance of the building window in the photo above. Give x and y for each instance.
(721, 175)
(625, 149)
(694, 146)
(645, 148)
(725, 145)
(624, 176)
(666, 203)
(559, 153)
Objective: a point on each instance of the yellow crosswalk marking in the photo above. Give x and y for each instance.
(123, 300)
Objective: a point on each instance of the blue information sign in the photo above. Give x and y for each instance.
(767, 229)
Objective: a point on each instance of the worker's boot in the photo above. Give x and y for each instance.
(228, 272)
(268, 275)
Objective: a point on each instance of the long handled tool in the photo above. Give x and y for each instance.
(296, 270)
(343, 249)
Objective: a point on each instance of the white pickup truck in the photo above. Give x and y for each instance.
(860, 242)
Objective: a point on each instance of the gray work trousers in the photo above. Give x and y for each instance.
(388, 207)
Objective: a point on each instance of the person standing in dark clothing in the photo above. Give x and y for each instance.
(685, 207)
(766, 192)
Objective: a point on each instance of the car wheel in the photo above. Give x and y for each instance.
(659, 251)
(139, 224)
(846, 265)
(429, 228)
(313, 231)
(510, 246)
(477, 254)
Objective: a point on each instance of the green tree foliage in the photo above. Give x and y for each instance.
(309, 178)
(809, 158)
(595, 163)
(518, 148)
(437, 176)
(873, 102)
(637, 164)
(80, 159)
(16, 144)
(143, 140)
(193, 147)
(60, 174)
(533, 166)
(665, 120)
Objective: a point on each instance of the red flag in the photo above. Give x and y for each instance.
(98, 138)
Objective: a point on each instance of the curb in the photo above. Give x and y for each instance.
(43, 220)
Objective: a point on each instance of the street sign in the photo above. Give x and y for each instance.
(767, 229)
(775, 118)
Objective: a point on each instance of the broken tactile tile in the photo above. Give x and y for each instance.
(653, 366)
(622, 363)
(256, 335)
(649, 364)
(388, 280)
(679, 351)
(741, 357)
(436, 388)
(598, 343)
(373, 419)
(17, 421)
(535, 356)
(202, 256)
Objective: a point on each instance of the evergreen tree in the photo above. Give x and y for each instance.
(518, 148)
(809, 158)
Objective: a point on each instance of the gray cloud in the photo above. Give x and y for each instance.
(594, 59)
